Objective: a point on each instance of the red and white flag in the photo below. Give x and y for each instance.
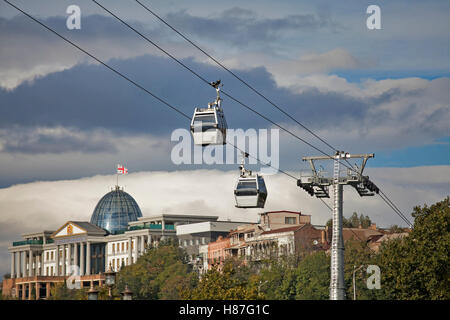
(121, 169)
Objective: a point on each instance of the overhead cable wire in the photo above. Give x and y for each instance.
(232, 73)
(388, 201)
(146, 7)
(132, 81)
(208, 82)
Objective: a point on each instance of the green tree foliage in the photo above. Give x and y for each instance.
(61, 292)
(313, 277)
(276, 280)
(416, 267)
(353, 222)
(227, 284)
(161, 273)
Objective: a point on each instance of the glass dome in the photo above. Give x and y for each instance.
(115, 210)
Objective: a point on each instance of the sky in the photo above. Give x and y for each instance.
(66, 120)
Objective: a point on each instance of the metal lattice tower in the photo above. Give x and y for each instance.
(317, 185)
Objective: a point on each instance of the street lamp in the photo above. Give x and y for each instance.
(110, 280)
(354, 282)
(127, 294)
(92, 293)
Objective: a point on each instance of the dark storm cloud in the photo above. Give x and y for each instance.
(242, 26)
(54, 141)
(91, 96)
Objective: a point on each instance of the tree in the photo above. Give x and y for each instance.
(227, 284)
(353, 222)
(416, 267)
(313, 277)
(161, 273)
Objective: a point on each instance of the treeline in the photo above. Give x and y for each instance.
(413, 267)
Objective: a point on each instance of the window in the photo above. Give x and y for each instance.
(290, 220)
(46, 271)
(205, 122)
(51, 270)
(132, 245)
(127, 246)
(113, 247)
(51, 255)
(123, 246)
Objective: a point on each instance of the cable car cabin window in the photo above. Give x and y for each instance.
(262, 185)
(206, 122)
(246, 188)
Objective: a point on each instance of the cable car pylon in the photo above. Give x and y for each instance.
(318, 185)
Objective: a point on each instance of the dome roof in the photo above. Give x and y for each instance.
(115, 210)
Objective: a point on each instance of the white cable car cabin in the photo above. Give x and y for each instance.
(208, 125)
(250, 190)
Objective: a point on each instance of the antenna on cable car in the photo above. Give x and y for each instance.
(244, 172)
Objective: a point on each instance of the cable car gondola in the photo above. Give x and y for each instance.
(250, 190)
(208, 125)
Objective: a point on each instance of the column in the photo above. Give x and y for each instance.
(69, 258)
(47, 290)
(18, 265)
(30, 263)
(82, 267)
(24, 263)
(64, 260)
(106, 257)
(13, 265)
(88, 258)
(24, 287)
(38, 289)
(57, 261)
(142, 244)
(75, 254)
(30, 288)
(129, 250)
(36, 266)
(136, 251)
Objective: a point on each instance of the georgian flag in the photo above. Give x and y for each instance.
(121, 169)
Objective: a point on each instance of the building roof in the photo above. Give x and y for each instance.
(89, 227)
(267, 212)
(115, 210)
(285, 229)
(360, 234)
(392, 236)
(207, 226)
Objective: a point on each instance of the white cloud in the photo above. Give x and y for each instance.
(47, 205)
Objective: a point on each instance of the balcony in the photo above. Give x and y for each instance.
(152, 227)
(25, 242)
